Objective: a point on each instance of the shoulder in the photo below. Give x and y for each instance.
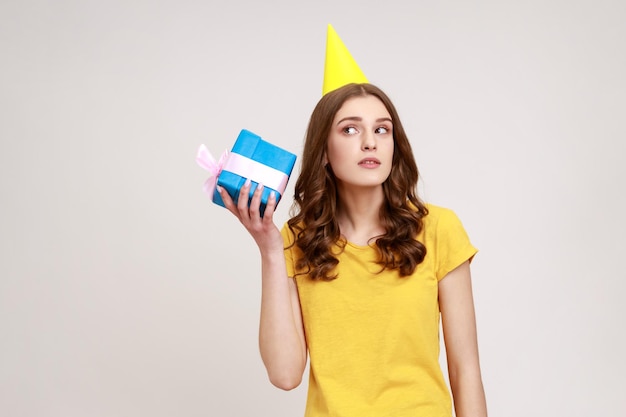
(437, 214)
(446, 239)
(442, 223)
(291, 232)
(287, 233)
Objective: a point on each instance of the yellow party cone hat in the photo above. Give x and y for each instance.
(340, 68)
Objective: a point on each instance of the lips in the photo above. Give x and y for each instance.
(369, 162)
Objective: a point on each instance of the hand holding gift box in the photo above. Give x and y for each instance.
(250, 157)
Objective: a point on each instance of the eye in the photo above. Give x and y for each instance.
(350, 130)
(382, 130)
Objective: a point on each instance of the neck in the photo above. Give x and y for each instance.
(358, 214)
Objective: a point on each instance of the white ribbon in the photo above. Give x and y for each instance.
(256, 171)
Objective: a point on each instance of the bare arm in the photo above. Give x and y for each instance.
(459, 328)
(281, 333)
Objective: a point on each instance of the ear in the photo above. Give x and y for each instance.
(324, 160)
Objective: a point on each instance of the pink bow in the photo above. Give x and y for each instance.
(206, 161)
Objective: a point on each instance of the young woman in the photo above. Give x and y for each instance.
(359, 278)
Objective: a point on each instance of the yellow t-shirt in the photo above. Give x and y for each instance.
(373, 338)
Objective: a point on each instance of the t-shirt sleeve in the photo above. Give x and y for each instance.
(288, 239)
(453, 245)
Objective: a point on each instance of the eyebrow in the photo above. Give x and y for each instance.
(360, 119)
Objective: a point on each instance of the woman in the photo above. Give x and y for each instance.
(360, 276)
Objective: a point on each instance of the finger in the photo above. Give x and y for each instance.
(255, 203)
(269, 208)
(242, 202)
(227, 200)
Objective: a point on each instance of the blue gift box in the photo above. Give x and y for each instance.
(260, 161)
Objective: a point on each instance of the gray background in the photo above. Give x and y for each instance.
(125, 292)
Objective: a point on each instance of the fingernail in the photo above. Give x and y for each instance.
(247, 183)
(272, 195)
(260, 187)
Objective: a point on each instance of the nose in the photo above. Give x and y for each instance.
(369, 142)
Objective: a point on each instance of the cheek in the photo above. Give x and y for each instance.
(390, 149)
(334, 153)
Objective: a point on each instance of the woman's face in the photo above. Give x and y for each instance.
(360, 145)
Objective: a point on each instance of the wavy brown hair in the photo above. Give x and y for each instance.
(314, 224)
